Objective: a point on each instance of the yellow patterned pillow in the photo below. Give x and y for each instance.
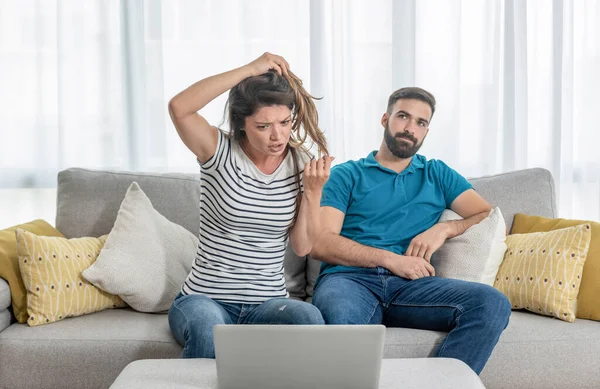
(51, 269)
(9, 263)
(588, 306)
(541, 271)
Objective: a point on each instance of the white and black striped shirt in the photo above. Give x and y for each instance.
(245, 217)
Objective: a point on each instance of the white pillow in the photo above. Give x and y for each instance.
(477, 254)
(146, 258)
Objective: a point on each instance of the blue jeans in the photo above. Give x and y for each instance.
(474, 315)
(192, 317)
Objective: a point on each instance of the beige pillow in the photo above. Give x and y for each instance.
(51, 269)
(541, 271)
(476, 254)
(146, 258)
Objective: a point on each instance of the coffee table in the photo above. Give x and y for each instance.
(405, 373)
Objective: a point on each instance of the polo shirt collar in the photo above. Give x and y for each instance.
(415, 163)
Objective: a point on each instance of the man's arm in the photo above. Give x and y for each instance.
(470, 206)
(335, 249)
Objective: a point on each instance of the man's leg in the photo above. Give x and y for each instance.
(191, 319)
(349, 298)
(281, 311)
(474, 314)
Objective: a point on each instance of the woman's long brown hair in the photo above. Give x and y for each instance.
(270, 89)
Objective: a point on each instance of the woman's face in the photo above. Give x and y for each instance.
(268, 130)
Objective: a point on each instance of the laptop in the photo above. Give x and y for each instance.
(298, 356)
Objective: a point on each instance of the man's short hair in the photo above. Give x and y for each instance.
(411, 93)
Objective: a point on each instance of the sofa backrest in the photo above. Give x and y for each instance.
(88, 202)
(529, 191)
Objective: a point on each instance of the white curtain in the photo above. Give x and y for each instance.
(86, 83)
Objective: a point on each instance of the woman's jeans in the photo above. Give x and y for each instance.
(473, 314)
(192, 317)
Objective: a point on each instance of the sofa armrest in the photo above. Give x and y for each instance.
(6, 316)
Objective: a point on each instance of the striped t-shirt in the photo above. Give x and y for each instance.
(245, 217)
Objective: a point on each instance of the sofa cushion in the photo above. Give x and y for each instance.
(4, 294)
(474, 255)
(588, 306)
(51, 268)
(82, 352)
(541, 271)
(542, 344)
(9, 263)
(88, 200)
(94, 344)
(538, 352)
(146, 257)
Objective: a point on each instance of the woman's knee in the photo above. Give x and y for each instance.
(309, 314)
(194, 315)
(297, 312)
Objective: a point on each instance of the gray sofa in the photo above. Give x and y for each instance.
(90, 351)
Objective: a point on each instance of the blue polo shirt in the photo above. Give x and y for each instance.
(386, 209)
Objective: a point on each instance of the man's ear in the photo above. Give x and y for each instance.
(384, 119)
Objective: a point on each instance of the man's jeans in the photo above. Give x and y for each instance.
(192, 317)
(474, 314)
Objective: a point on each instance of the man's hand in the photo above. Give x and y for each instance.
(426, 243)
(409, 267)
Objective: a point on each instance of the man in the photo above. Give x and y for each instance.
(380, 226)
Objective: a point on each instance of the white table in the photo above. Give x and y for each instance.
(406, 373)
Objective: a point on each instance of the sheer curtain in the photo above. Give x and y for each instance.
(87, 83)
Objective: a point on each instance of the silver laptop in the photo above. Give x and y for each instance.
(298, 356)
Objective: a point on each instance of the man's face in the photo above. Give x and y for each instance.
(406, 127)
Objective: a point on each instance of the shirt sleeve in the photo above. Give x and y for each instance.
(223, 146)
(337, 191)
(453, 184)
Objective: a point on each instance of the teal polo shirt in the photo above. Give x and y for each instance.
(386, 209)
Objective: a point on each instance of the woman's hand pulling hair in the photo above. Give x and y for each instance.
(316, 174)
(269, 61)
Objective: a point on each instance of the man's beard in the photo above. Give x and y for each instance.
(400, 148)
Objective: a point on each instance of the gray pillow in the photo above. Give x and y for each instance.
(146, 257)
(294, 270)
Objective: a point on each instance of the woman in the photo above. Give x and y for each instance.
(259, 187)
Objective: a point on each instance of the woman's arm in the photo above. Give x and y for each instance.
(199, 136)
(307, 229)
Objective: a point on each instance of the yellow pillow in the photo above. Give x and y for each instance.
(541, 271)
(51, 268)
(9, 263)
(588, 300)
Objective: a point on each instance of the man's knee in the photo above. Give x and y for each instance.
(495, 306)
(337, 307)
